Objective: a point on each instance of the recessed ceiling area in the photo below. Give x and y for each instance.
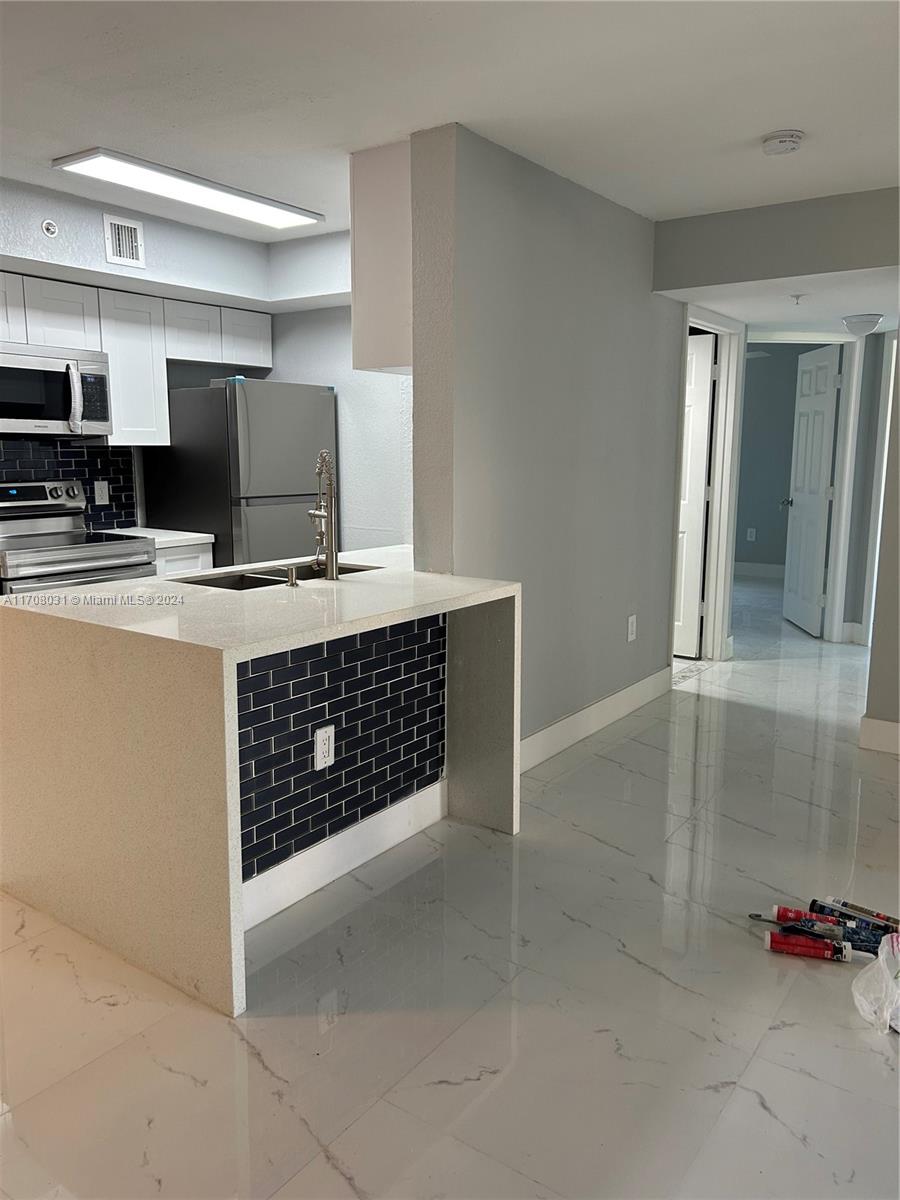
(768, 308)
(659, 106)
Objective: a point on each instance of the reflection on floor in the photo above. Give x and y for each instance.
(582, 1012)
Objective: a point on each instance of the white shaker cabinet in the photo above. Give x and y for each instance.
(246, 338)
(12, 309)
(134, 337)
(175, 560)
(61, 314)
(193, 331)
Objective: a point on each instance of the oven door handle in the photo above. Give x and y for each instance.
(59, 565)
(77, 410)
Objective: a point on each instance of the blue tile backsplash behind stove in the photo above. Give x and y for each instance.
(25, 459)
(384, 691)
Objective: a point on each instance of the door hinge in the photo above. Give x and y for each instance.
(702, 608)
(822, 600)
(829, 492)
(709, 493)
(715, 371)
(839, 380)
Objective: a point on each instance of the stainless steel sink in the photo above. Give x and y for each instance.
(245, 581)
(239, 582)
(306, 570)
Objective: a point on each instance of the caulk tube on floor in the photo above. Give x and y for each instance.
(785, 916)
(820, 908)
(808, 947)
(863, 912)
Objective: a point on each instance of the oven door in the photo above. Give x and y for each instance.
(56, 396)
(40, 583)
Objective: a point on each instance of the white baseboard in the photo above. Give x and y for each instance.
(754, 570)
(879, 735)
(855, 634)
(312, 869)
(562, 734)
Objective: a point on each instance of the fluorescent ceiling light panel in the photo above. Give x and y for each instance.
(122, 169)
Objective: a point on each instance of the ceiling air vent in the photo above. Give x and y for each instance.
(124, 241)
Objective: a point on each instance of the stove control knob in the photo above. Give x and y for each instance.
(55, 492)
(71, 491)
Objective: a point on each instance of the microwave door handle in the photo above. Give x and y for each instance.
(75, 415)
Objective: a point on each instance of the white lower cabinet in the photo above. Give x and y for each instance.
(134, 336)
(173, 560)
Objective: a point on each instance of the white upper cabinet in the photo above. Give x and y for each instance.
(193, 331)
(12, 309)
(134, 337)
(246, 338)
(61, 314)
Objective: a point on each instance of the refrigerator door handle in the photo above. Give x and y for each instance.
(243, 438)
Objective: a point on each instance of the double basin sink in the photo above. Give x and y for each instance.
(245, 581)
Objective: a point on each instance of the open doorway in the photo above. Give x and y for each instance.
(782, 479)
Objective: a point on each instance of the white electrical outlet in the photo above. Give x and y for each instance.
(751, 534)
(324, 747)
(632, 627)
(101, 492)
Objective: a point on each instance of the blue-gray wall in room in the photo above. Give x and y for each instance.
(767, 437)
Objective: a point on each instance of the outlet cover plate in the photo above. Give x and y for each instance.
(324, 741)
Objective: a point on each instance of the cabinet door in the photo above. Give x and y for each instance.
(175, 560)
(246, 338)
(134, 337)
(61, 314)
(193, 331)
(12, 309)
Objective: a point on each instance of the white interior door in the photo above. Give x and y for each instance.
(811, 462)
(692, 506)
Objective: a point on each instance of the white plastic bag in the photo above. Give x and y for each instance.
(876, 989)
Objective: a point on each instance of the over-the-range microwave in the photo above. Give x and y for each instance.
(45, 390)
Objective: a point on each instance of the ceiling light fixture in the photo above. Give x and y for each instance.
(861, 324)
(782, 141)
(135, 173)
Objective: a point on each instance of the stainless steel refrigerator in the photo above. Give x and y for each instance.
(242, 466)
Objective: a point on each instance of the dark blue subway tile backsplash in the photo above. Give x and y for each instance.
(25, 459)
(385, 693)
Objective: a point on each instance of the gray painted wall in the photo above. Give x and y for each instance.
(182, 260)
(767, 438)
(883, 699)
(177, 255)
(806, 237)
(546, 412)
(374, 424)
(863, 478)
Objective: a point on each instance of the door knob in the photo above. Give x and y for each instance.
(787, 502)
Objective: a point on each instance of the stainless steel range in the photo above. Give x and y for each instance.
(44, 542)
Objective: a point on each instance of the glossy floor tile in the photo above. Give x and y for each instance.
(583, 1011)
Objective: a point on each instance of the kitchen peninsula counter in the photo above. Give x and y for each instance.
(156, 787)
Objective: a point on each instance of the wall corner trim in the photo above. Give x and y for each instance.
(562, 734)
(879, 735)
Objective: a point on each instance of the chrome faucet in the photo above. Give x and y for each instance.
(325, 514)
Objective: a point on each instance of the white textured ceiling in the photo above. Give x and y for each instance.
(768, 308)
(657, 105)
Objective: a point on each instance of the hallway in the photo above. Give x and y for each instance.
(583, 1012)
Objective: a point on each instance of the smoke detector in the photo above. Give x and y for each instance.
(861, 324)
(782, 141)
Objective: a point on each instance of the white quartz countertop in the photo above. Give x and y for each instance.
(167, 538)
(246, 624)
